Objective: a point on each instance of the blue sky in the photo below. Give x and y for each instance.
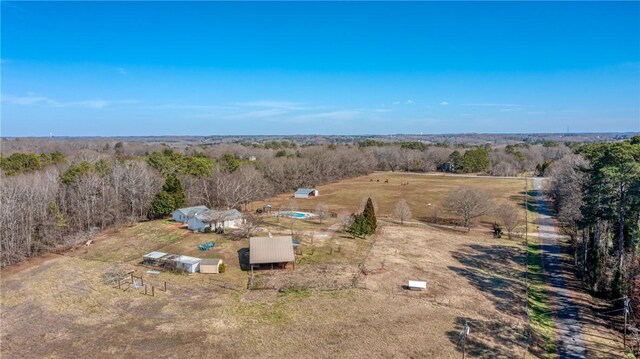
(213, 68)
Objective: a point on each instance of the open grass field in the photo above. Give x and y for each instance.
(343, 299)
(421, 190)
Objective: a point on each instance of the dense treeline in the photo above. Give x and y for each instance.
(597, 196)
(58, 206)
(28, 162)
(77, 187)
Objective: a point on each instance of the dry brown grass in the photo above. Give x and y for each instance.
(62, 308)
(348, 195)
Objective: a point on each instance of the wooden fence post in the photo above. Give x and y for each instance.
(153, 293)
(145, 290)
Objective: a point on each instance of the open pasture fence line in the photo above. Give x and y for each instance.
(137, 282)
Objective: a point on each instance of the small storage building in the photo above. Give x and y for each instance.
(188, 264)
(416, 285)
(210, 265)
(153, 258)
(183, 214)
(231, 218)
(306, 193)
(270, 251)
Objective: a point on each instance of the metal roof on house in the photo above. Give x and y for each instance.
(154, 255)
(305, 190)
(211, 216)
(270, 250)
(186, 210)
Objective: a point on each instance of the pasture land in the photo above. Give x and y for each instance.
(343, 299)
(419, 191)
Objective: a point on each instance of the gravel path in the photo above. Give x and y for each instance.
(567, 322)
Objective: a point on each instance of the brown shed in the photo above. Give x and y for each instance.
(271, 250)
(210, 265)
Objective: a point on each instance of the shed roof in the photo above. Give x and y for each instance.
(305, 190)
(154, 255)
(211, 216)
(211, 261)
(189, 260)
(417, 284)
(270, 250)
(185, 211)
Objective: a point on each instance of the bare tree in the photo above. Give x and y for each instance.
(250, 226)
(510, 217)
(468, 203)
(344, 220)
(402, 211)
(322, 212)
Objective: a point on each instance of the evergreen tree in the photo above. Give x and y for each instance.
(170, 197)
(163, 204)
(476, 160)
(455, 158)
(360, 226)
(370, 215)
(173, 187)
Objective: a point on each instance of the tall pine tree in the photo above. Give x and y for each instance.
(369, 214)
(170, 198)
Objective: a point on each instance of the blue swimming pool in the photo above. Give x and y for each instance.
(294, 214)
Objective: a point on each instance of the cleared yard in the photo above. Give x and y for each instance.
(344, 298)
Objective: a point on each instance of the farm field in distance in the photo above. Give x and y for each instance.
(344, 297)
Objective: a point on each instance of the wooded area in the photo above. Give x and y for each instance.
(74, 188)
(597, 198)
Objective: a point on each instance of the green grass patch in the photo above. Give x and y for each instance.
(295, 293)
(539, 311)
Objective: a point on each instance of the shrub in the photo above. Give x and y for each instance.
(222, 268)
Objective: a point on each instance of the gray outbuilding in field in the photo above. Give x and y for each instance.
(306, 193)
(188, 264)
(271, 251)
(210, 265)
(183, 214)
(153, 258)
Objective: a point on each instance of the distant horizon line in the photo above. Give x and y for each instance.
(336, 135)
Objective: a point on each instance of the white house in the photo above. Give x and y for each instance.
(231, 218)
(306, 193)
(183, 214)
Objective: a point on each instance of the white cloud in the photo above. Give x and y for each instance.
(33, 99)
(284, 105)
(396, 102)
(497, 104)
(122, 71)
(409, 102)
(255, 114)
(511, 109)
(444, 103)
(332, 115)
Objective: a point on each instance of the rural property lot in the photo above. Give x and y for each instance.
(344, 298)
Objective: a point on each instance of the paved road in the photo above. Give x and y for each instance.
(569, 331)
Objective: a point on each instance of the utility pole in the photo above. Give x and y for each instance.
(626, 315)
(463, 336)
